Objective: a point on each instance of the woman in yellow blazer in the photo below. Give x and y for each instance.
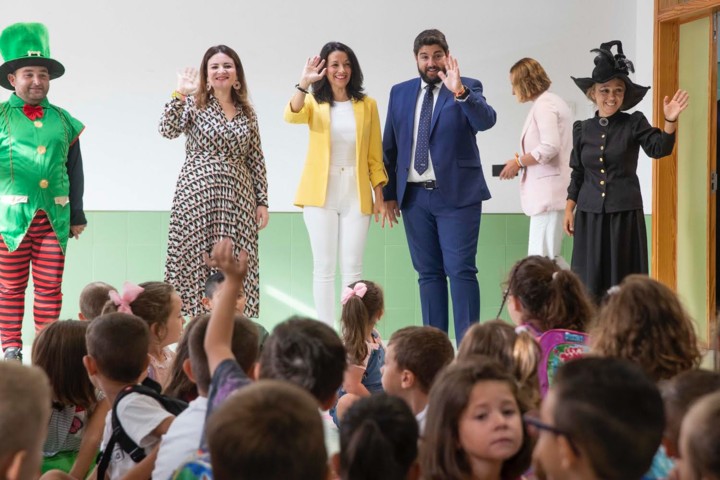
(344, 165)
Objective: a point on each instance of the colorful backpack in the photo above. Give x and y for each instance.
(558, 347)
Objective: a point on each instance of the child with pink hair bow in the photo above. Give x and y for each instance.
(363, 305)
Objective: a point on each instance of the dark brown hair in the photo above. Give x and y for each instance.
(442, 459)
(357, 315)
(93, 298)
(378, 439)
(430, 37)
(119, 344)
(307, 353)
(178, 383)
(244, 344)
(680, 393)
(644, 322)
(529, 79)
(552, 298)
(520, 354)
(612, 412)
(270, 430)
(240, 96)
(422, 350)
(702, 454)
(322, 90)
(59, 350)
(154, 305)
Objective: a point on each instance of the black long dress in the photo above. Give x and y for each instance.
(610, 236)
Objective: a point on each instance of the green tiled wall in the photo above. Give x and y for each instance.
(120, 246)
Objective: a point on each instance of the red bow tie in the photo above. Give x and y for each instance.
(33, 111)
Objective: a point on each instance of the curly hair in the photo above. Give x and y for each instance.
(643, 321)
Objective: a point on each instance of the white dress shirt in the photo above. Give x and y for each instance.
(413, 175)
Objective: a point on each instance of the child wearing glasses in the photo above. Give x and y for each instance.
(602, 418)
(475, 425)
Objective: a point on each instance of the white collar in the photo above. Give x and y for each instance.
(421, 416)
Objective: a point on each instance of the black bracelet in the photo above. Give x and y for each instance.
(302, 89)
(670, 121)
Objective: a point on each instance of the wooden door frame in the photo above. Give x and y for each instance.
(665, 171)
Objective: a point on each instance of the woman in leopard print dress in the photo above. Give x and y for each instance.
(222, 189)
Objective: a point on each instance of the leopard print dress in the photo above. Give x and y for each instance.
(221, 184)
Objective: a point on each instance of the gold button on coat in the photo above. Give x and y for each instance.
(41, 149)
(38, 124)
(601, 159)
(602, 182)
(602, 148)
(603, 136)
(44, 183)
(603, 194)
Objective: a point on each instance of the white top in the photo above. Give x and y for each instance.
(139, 415)
(421, 418)
(343, 135)
(181, 440)
(413, 176)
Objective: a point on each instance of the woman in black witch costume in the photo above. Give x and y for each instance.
(609, 224)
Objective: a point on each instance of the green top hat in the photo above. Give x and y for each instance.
(26, 45)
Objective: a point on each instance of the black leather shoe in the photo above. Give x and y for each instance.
(13, 354)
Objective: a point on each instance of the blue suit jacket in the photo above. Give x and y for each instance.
(453, 146)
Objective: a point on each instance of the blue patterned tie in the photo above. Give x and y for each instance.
(422, 146)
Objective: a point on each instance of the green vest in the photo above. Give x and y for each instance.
(33, 174)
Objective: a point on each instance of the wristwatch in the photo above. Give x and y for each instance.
(463, 95)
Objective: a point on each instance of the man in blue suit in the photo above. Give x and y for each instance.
(432, 158)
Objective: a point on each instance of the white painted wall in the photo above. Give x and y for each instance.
(121, 59)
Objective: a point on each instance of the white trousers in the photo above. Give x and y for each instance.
(337, 227)
(546, 236)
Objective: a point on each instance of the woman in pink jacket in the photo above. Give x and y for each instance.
(544, 164)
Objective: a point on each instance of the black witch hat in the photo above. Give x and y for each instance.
(609, 66)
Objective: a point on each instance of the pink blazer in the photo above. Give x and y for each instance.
(547, 136)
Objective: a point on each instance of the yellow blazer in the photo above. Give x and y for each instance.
(369, 164)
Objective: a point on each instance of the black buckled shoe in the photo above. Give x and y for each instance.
(13, 354)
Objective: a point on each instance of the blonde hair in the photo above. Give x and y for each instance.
(529, 79)
(519, 353)
(25, 404)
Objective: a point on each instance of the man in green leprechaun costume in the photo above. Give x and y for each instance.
(41, 183)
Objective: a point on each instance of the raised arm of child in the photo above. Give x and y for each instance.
(220, 328)
(91, 441)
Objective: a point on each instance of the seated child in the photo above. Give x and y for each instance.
(117, 346)
(25, 397)
(378, 439)
(268, 431)
(475, 424)
(362, 308)
(542, 296)
(184, 435)
(700, 440)
(178, 383)
(602, 419)
(161, 307)
(213, 287)
(93, 298)
(679, 394)
(644, 322)
(519, 353)
(304, 352)
(413, 358)
(78, 412)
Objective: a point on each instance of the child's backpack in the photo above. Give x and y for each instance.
(558, 347)
(152, 389)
